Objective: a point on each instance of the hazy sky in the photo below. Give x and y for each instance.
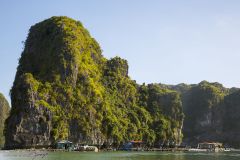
(167, 41)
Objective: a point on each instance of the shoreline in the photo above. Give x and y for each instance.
(105, 150)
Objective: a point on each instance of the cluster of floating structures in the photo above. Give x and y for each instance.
(68, 145)
(140, 146)
(209, 147)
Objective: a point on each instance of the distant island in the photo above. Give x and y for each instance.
(65, 89)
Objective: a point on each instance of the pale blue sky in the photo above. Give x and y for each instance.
(167, 41)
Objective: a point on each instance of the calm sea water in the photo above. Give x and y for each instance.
(40, 155)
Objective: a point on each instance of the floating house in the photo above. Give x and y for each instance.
(64, 144)
(211, 146)
(133, 146)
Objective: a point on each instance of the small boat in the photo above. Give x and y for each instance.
(227, 149)
(86, 148)
(197, 150)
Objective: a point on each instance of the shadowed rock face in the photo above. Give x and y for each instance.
(212, 113)
(28, 124)
(231, 117)
(4, 111)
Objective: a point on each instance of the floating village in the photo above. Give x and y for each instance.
(65, 145)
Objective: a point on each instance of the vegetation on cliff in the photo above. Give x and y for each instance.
(201, 106)
(165, 107)
(4, 111)
(65, 89)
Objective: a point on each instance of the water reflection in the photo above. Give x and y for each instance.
(43, 155)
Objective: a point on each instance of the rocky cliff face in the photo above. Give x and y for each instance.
(60, 59)
(4, 111)
(165, 106)
(27, 125)
(202, 111)
(231, 127)
(211, 113)
(65, 89)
